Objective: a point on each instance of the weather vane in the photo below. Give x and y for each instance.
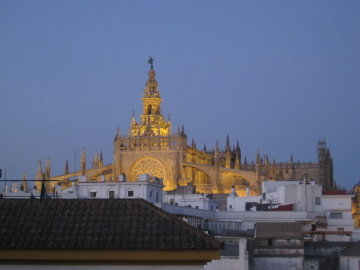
(151, 62)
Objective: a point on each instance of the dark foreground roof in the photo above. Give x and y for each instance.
(123, 224)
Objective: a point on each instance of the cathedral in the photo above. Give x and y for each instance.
(151, 147)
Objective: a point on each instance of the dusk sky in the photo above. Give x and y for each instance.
(276, 75)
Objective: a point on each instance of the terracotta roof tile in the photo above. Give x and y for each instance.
(95, 224)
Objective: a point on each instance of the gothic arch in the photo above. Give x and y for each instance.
(204, 184)
(147, 165)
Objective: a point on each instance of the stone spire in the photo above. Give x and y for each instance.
(216, 154)
(193, 143)
(47, 169)
(273, 169)
(133, 121)
(24, 186)
(258, 171)
(95, 163)
(83, 163)
(291, 170)
(258, 160)
(39, 173)
(66, 169)
(182, 133)
(237, 156)
(118, 133)
(217, 163)
(227, 143)
(101, 161)
(227, 152)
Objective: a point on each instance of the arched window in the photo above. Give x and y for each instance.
(149, 108)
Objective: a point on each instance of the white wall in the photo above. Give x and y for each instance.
(293, 192)
(338, 205)
(238, 203)
(150, 191)
(199, 201)
(336, 202)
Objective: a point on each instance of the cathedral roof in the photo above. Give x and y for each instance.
(121, 224)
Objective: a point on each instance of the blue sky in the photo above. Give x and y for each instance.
(276, 75)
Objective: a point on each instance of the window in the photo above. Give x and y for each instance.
(340, 229)
(111, 194)
(130, 193)
(317, 201)
(157, 197)
(92, 194)
(336, 215)
(269, 242)
(150, 194)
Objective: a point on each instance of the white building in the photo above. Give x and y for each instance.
(300, 196)
(336, 209)
(303, 196)
(197, 201)
(146, 187)
(235, 203)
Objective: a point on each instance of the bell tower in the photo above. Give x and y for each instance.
(152, 121)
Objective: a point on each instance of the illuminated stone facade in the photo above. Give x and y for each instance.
(150, 147)
(356, 205)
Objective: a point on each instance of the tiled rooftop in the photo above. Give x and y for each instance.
(122, 224)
